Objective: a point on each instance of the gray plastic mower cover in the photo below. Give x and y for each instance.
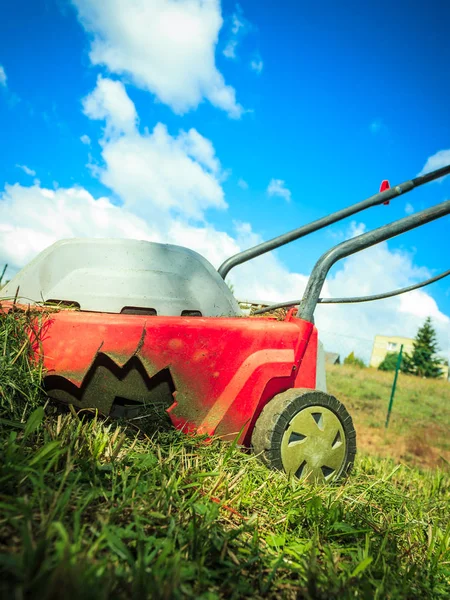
(113, 276)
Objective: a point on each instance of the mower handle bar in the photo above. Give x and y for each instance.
(295, 234)
(356, 244)
(355, 299)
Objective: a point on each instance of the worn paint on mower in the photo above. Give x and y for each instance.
(156, 328)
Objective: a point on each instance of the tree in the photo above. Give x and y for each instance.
(354, 360)
(389, 363)
(423, 361)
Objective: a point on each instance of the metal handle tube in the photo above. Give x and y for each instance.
(300, 232)
(361, 242)
(356, 299)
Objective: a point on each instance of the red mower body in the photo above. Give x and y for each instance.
(224, 370)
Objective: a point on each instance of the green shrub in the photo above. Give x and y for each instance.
(354, 360)
(389, 363)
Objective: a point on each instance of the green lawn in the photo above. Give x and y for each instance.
(95, 509)
(419, 427)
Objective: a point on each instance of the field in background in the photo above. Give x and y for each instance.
(95, 509)
(419, 428)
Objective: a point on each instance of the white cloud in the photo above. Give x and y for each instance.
(237, 20)
(265, 278)
(153, 172)
(158, 172)
(355, 229)
(238, 23)
(242, 184)
(240, 26)
(110, 102)
(215, 245)
(257, 65)
(420, 304)
(277, 188)
(164, 46)
(230, 49)
(85, 139)
(35, 217)
(26, 170)
(409, 208)
(376, 126)
(11, 98)
(199, 148)
(3, 77)
(438, 160)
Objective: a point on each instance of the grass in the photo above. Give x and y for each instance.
(420, 420)
(91, 508)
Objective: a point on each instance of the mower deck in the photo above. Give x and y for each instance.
(211, 375)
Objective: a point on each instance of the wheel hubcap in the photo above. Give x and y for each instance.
(313, 445)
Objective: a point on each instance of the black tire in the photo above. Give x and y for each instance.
(308, 427)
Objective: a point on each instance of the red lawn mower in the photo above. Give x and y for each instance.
(156, 327)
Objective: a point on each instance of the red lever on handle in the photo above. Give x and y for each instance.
(385, 186)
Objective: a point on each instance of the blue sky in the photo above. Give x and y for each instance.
(335, 102)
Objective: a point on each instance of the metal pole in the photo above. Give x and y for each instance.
(355, 299)
(3, 273)
(295, 234)
(394, 385)
(361, 242)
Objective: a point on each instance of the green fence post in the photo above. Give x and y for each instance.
(394, 385)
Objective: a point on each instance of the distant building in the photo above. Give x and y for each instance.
(388, 343)
(332, 358)
(391, 343)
